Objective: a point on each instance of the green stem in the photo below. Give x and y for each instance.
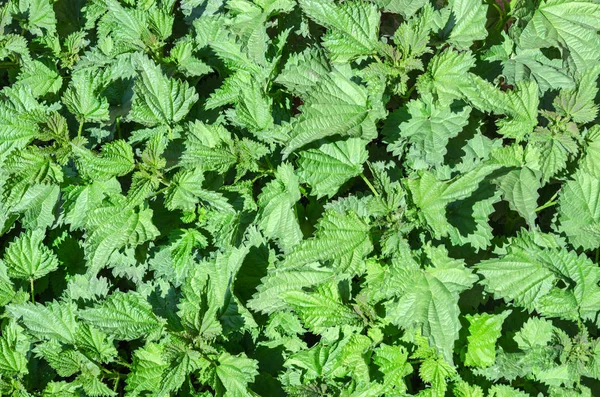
(597, 255)
(364, 178)
(116, 383)
(80, 129)
(409, 92)
(118, 127)
(269, 164)
(158, 192)
(32, 289)
(303, 191)
(497, 7)
(549, 203)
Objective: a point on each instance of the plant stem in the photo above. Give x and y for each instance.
(409, 92)
(303, 191)
(158, 192)
(549, 203)
(116, 383)
(32, 289)
(80, 129)
(364, 178)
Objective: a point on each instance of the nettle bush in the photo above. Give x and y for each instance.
(299, 198)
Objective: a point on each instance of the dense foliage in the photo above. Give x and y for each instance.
(299, 198)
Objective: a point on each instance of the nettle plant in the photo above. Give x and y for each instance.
(299, 198)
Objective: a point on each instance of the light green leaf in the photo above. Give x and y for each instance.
(467, 21)
(484, 331)
(158, 99)
(328, 167)
(528, 274)
(393, 363)
(322, 308)
(112, 227)
(83, 98)
(429, 129)
(279, 281)
(579, 104)
(571, 25)
(52, 321)
(185, 189)
(445, 76)
(590, 162)
(277, 216)
(520, 189)
(234, 373)
(529, 64)
(116, 159)
(149, 362)
(579, 210)
(334, 106)
(40, 78)
(12, 362)
(354, 27)
(126, 316)
(28, 258)
(407, 8)
(340, 238)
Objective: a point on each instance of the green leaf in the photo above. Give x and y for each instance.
(405, 7)
(40, 77)
(428, 131)
(28, 258)
(445, 76)
(18, 124)
(578, 104)
(126, 316)
(209, 147)
(116, 159)
(484, 331)
(157, 99)
(281, 280)
(175, 261)
(149, 362)
(277, 216)
(579, 210)
(529, 64)
(321, 309)
(466, 23)
(334, 106)
(393, 363)
(82, 97)
(505, 391)
(185, 190)
(429, 300)
(327, 168)
(340, 238)
(457, 207)
(353, 25)
(234, 373)
(520, 105)
(12, 362)
(53, 321)
(590, 161)
(520, 189)
(529, 272)
(40, 16)
(570, 25)
(112, 227)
